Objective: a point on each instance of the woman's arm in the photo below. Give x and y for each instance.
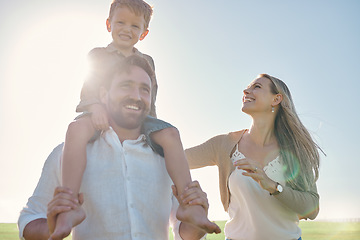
(204, 154)
(305, 204)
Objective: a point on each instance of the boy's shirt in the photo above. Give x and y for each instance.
(100, 61)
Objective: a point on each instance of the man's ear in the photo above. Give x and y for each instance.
(108, 25)
(143, 35)
(103, 95)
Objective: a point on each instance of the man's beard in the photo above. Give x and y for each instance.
(127, 121)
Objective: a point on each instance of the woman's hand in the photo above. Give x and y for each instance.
(254, 170)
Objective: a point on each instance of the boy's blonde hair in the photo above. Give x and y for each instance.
(139, 7)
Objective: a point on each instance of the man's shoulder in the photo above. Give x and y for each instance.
(56, 153)
(52, 164)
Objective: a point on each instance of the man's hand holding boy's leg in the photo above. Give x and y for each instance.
(193, 195)
(62, 202)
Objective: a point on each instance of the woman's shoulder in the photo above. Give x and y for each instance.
(228, 139)
(236, 136)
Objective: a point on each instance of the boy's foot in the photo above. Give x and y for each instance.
(196, 215)
(66, 221)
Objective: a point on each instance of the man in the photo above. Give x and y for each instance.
(126, 188)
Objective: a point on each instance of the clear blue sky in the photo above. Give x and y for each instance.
(205, 53)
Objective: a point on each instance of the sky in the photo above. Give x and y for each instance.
(205, 53)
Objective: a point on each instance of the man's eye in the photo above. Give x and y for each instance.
(146, 90)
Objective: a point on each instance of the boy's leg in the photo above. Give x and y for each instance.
(178, 169)
(73, 165)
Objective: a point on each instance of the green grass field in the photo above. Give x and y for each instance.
(312, 230)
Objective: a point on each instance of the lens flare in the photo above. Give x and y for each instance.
(291, 166)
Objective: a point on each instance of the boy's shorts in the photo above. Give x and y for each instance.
(151, 125)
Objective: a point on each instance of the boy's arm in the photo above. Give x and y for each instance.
(88, 97)
(98, 62)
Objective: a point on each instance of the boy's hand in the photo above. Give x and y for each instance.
(99, 117)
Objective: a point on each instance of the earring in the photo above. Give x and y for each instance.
(272, 109)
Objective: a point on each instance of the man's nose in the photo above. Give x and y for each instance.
(135, 94)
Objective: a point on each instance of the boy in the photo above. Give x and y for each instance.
(128, 23)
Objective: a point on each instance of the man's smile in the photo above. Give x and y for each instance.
(132, 107)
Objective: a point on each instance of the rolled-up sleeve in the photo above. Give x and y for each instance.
(50, 178)
(174, 222)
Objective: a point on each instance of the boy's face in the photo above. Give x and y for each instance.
(126, 28)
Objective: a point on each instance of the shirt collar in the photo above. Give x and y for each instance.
(141, 138)
(111, 48)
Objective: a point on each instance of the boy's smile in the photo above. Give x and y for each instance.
(127, 29)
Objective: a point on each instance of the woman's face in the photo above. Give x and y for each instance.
(258, 97)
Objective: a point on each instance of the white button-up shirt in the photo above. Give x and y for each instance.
(127, 192)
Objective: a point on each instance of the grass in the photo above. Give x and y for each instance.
(312, 230)
(330, 230)
(9, 231)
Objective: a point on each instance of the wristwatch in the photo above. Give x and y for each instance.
(279, 189)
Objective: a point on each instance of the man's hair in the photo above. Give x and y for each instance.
(138, 7)
(124, 65)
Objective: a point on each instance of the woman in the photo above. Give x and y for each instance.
(267, 173)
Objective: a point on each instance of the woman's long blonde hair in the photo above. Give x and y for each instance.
(298, 150)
